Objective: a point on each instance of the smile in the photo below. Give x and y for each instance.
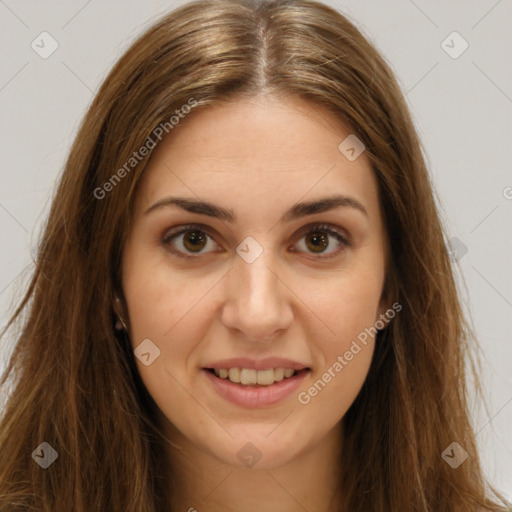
(250, 388)
(249, 376)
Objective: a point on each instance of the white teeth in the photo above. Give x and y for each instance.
(249, 376)
(265, 377)
(279, 374)
(234, 374)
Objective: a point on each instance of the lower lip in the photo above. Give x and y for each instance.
(256, 396)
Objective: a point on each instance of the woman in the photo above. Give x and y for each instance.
(242, 298)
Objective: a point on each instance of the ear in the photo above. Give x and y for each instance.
(117, 307)
(119, 311)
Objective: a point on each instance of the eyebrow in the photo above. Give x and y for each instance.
(297, 211)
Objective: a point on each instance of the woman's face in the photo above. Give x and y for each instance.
(253, 271)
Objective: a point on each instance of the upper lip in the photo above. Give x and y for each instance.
(260, 364)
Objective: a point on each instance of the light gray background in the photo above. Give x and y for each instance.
(462, 108)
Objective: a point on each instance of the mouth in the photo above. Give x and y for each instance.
(251, 388)
(255, 378)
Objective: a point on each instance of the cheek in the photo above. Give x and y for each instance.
(159, 299)
(343, 359)
(349, 308)
(348, 305)
(166, 309)
(171, 309)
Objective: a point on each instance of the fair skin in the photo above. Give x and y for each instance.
(257, 158)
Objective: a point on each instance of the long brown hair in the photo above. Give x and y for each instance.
(73, 381)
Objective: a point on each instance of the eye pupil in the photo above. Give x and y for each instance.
(194, 241)
(319, 241)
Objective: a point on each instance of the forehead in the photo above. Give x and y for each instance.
(264, 153)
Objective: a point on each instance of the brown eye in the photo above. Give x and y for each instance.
(194, 241)
(324, 240)
(317, 241)
(188, 241)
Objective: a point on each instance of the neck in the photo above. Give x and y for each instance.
(203, 483)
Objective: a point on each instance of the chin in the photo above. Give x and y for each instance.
(254, 448)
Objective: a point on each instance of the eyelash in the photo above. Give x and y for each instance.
(326, 228)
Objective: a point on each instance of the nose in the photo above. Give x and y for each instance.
(258, 303)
